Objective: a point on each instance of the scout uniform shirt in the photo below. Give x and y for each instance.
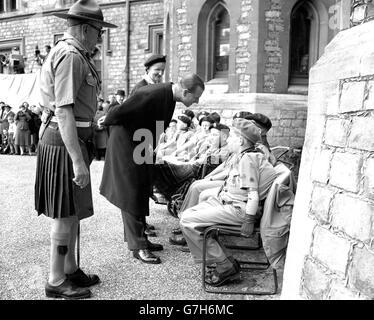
(247, 170)
(68, 78)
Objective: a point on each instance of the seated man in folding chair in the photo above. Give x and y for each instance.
(249, 180)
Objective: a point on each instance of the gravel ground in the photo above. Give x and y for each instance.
(24, 248)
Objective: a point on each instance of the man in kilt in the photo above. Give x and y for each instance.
(69, 85)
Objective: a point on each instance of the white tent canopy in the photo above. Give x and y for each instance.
(18, 88)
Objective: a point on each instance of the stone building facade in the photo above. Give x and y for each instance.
(330, 253)
(252, 54)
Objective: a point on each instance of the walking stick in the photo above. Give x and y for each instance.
(78, 243)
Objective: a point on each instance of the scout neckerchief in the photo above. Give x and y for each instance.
(69, 39)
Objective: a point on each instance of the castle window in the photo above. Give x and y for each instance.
(221, 39)
(155, 38)
(301, 20)
(8, 5)
(213, 37)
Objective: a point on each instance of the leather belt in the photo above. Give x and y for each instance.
(79, 124)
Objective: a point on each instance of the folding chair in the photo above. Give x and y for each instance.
(245, 266)
(216, 231)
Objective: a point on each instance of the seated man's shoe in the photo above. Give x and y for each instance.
(146, 256)
(154, 246)
(178, 241)
(80, 279)
(67, 290)
(217, 279)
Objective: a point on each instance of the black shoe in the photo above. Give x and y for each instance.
(177, 242)
(146, 256)
(66, 290)
(217, 279)
(154, 246)
(176, 231)
(80, 279)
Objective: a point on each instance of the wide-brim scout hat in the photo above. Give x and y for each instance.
(247, 129)
(87, 10)
(155, 58)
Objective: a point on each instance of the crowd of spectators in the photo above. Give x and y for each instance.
(19, 129)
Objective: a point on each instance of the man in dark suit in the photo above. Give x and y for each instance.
(154, 70)
(127, 174)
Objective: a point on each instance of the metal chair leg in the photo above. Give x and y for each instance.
(254, 265)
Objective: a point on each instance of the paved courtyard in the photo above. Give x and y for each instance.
(24, 248)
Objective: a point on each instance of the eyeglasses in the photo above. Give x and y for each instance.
(99, 30)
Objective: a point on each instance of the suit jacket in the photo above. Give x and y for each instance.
(125, 182)
(140, 84)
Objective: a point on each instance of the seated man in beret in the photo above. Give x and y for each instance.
(250, 177)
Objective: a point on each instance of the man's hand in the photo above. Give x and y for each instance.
(81, 174)
(248, 226)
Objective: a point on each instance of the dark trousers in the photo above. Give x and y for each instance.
(133, 229)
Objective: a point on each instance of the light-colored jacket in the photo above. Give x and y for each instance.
(276, 218)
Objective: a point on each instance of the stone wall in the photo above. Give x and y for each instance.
(331, 252)
(273, 48)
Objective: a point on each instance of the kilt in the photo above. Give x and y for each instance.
(56, 195)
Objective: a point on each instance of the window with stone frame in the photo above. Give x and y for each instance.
(8, 5)
(155, 38)
(221, 49)
(8, 49)
(214, 42)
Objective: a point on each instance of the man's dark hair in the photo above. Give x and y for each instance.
(191, 81)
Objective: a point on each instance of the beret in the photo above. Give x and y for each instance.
(242, 114)
(247, 129)
(216, 117)
(206, 118)
(220, 126)
(260, 119)
(154, 59)
(189, 113)
(185, 119)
